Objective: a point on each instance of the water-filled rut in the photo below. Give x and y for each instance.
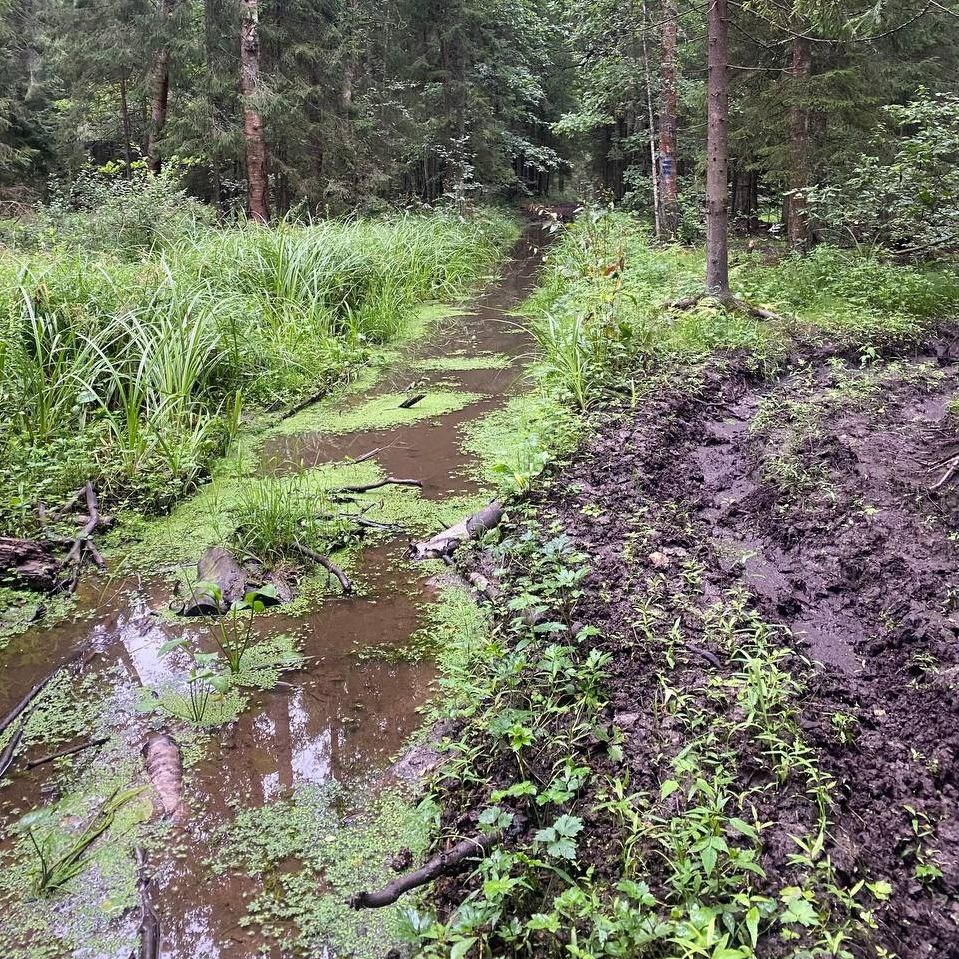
(333, 724)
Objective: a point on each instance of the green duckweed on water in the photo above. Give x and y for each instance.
(309, 853)
(379, 412)
(87, 911)
(459, 364)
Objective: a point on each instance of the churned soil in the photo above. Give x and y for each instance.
(824, 496)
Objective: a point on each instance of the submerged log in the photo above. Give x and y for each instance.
(432, 869)
(221, 568)
(164, 766)
(28, 563)
(445, 543)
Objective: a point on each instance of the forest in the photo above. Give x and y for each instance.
(479, 480)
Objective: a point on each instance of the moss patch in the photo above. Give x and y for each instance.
(380, 412)
(514, 444)
(456, 364)
(333, 851)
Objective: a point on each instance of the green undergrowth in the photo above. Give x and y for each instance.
(308, 854)
(602, 315)
(516, 443)
(377, 413)
(134, 372)
(673, 866)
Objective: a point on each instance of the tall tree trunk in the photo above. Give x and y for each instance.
(161, 91)
(668, 184)
(256, 155)
(797, 223)
(125, 120)
(653, 179)
(717, 153)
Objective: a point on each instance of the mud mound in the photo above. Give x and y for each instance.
(820, 500)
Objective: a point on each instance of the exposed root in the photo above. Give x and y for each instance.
(952, 467)
(432, 869)
(729, 303)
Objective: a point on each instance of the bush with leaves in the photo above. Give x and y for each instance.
(907, 201)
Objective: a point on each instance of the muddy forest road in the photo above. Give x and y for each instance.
(340, 718)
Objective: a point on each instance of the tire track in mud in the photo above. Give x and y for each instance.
(812, 494)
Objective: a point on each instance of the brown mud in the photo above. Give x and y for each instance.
(811, 497)
(338, 719)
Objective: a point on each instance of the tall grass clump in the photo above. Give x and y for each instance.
(134, 371)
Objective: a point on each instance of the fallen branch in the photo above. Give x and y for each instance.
(327, 564)
(29, 562)
(432, 869)
(411, 401)
(68, 751)
(379, 484)
(443, 544)
(93, 521)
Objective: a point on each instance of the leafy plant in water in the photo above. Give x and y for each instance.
(59, 860)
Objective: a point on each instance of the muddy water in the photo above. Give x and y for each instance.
(338, 719)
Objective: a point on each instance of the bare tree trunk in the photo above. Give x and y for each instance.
(161, 91)
(657, 209)
(125, 119)
(256, 154)
(717, 153)
(797, 223)
(668, 184)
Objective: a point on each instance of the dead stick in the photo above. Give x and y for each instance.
(430, 870)
(6, 757)
(327, 564)
(69, 751)
(368, 456)
(67, 506)
(369, 487)
(411, 401)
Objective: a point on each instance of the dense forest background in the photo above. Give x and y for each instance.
(325, 106)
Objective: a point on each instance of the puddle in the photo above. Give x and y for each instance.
(339, 719)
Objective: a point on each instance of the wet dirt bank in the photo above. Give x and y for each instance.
(799, 527)
(334, 722)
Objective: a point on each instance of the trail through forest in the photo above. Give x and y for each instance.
(341, 716)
